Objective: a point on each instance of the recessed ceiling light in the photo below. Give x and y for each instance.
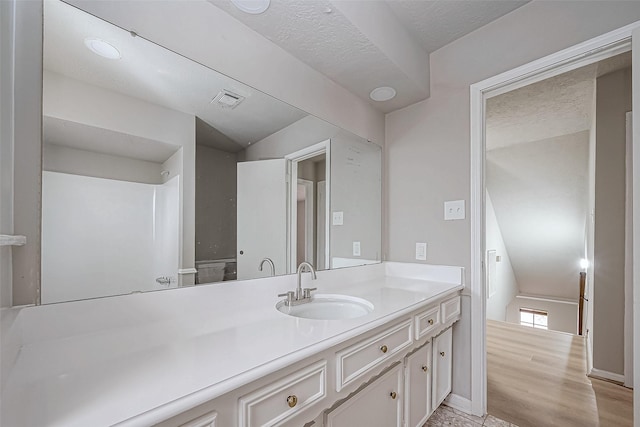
(102, 48)
(253, 7)
(384, 93)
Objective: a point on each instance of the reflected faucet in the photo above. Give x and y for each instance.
(300, 296)
(307, 292)
(270, 262)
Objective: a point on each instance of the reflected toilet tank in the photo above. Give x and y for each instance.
(217, 270)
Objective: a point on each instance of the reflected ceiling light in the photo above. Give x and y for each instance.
(254, 7)
(102, 48)
(383, 93)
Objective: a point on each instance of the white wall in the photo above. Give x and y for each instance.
(613, 100)
(427, 144)
(57, 158)
(166, 232)
(562, 316)
(506, 282)
(100, 236)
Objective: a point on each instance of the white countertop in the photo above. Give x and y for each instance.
(139, 359)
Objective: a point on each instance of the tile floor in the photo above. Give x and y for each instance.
(446, 416)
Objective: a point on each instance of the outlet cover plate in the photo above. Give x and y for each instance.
(356, 248)
(454, 210)
(421, 251)
(338, 218)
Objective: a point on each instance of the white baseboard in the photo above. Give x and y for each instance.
(606, 375)
(460, 403)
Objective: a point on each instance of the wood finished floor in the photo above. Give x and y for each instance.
(537, 378)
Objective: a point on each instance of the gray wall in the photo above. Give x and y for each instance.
(613, 100)
(216, 188)
(427, 144)
(6, 147)
(27, 150)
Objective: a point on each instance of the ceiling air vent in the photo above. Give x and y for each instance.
(227, 99)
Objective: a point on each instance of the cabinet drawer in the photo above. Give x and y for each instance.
(450, 309)
(275, 403)
(356, 360)
(427, 321)
(207, 420)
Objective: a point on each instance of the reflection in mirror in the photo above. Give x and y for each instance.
(160, 172)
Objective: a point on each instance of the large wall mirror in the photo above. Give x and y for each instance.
(159, 172)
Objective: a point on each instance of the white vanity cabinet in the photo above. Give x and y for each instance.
(394, 375)
(442, 366)
(378, 405)
(417, 386)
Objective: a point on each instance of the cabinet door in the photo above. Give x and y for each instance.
(417, 385)
(442, 346)
(377, 405)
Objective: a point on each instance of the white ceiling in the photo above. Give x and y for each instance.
(156, 75)
(362, 45)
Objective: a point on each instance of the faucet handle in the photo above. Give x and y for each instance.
(289, 295)
(307, 292)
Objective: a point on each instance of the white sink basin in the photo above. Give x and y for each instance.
(328, 307)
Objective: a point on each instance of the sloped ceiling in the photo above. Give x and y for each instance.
(537, 175)
(154, 74)
(539, 192)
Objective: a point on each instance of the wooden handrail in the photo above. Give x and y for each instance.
(583, 279)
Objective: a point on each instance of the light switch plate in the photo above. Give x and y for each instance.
(454, 210)
(421, 251)
(356, 248)
(338, 218)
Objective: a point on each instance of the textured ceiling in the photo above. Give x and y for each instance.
(335, 38)
(539, 192)
(156, 75)
(438, 23)
(557, 106)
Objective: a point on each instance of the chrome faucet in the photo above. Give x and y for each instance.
(300, 296)
(270, 262)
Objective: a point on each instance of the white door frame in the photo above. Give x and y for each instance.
(628, 259)
(294, 158)
(593, 50)
(309, 207)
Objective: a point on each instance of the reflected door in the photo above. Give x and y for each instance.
(262, 217)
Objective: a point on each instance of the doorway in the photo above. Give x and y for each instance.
(578, 56)
(309, 175)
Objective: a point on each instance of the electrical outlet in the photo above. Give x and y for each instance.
(356, 248)
(338, 218)
(454, 210)
(421, 251)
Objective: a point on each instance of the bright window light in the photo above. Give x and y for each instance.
(533, 318)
